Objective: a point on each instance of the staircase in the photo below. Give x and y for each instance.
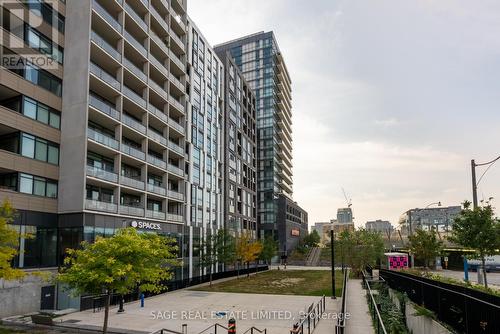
(313, 257)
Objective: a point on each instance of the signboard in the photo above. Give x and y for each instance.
(145, 225)
(295, 232)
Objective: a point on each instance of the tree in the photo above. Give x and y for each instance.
(217, 248)
(247, 249)
(269, 249)
(478, 229)
(208, 254)
(120, 264)
(9, 243)
(312, 239)
(359, 248)
(425, 245)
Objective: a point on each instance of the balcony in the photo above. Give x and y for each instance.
(159, 41)
(161, 91)
(177, 39)
(155, 214)
(175, 194)
(102, 139)
(176, 104)
(104, 76)
(157, 137)
(102, 174)
(134, 124)
(177, 60)
(99, 41)
(156, 189)
(176, 126)
(134, 97)
(135, 70)
(131, 210)
(158, 64)
(133, 183)
(107, 16)
(137, 18)
(176, 82)
(158, 113)
(175, 218)
(176, 148)
(175, 170)
(133, 152)
(157, 162)
(95, 205)
(135, 43)
(103, 107)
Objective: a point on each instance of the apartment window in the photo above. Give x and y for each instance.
(35, 185)
(130, 200)
(39, 149)
(42, 44)
(98, 161)
(41, 78)
(100, 194)
(154, 205)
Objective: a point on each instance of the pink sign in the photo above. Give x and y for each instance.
(398, 261)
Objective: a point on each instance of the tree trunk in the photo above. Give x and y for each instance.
(483, 260)
(210, 276)
(238, 269)
(248, 269)
(106, 313)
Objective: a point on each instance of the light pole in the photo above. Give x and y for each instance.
(332, 237)
(435, 203)
(476, 184)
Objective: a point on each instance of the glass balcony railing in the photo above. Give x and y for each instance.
(176, 170)
(91, 204)
(175, 218)
(134, 69)
(106, 46)
(159, 41)
(104, 76)
(133, 183)
(137, 18)
(157, 162)
(131, 210)
(176, 148)
(176, 82)
(138, 45)
(157, 137)
(102, 174)
(158, 113)
(104, 107)
(102, 138)
(155, 214)
(158, 88)
(175, 194)
(107, 16)
(177, 39)
(176, 125)
(134, 97)
(176, 104)
(133, 152)
(157, 189)
(177, 60)
(158, 64)
(134, 124)
(158, 16)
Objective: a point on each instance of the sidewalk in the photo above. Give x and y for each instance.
(328, 325)
(360, 320)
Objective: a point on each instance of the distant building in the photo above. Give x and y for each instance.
(318, 227)
(379, 225)
(344, 216)
(337, 229)
(440, 218)
(291, 222)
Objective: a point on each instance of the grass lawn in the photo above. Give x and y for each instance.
(282, 282)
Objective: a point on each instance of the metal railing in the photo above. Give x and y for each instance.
(340, 326)
(253, 330)
(214, 327)
(377, 318)
(311, 320)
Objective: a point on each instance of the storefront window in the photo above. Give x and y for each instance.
(37, 247)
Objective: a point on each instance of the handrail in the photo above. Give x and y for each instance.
(251, 329)
(215, 327)
(340, 326)
(380, 323)
(314, 311)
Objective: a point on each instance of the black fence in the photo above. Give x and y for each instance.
(97, 302)
(463, 309)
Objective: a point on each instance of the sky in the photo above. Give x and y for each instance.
(391, 99)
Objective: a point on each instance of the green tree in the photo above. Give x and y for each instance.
(9, 243)
(120, 264)
(311, 239)
(478, 229)
(216, 249)
(425, 245)
(269, 249)
(359, 248)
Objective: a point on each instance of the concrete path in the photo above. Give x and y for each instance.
(327, 324)
(360, 320)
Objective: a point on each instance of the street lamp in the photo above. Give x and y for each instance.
(332, 237)
(435, 203)
(476, 184)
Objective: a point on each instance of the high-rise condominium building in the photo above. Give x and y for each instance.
(344, 216)
(102, 144)
(240, 151)
(259, 58)
(205, 140)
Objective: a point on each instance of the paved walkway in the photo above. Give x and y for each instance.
(327, 325)
(360, 320)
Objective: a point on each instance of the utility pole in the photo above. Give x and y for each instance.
(333, 262)
(474, 184)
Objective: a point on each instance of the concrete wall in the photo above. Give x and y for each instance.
(20, 297)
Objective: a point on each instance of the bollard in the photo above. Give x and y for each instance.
(120, 308)
(231, 326)
(142, 299)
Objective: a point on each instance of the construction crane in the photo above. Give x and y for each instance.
(348, 200)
